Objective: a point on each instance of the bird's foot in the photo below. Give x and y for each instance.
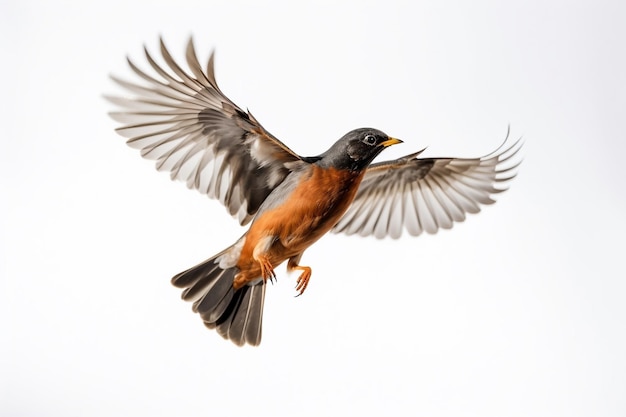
(303, 279)
(267, 270)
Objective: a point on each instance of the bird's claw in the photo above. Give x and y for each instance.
(303, 281)
(267, 270)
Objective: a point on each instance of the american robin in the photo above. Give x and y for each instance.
(185, 123)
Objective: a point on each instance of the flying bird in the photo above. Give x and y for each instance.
(182, 120)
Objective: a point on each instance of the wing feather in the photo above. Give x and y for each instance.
(427, 194)
(186, 124)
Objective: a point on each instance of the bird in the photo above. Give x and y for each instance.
(181, 119)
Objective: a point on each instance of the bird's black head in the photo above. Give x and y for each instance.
(356, 149)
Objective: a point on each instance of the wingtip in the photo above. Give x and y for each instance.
(211, 63)
(161, 41)
(164, 51)
(414, 155)
(190, 45)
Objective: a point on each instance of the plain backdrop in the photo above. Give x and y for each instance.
(519, 311)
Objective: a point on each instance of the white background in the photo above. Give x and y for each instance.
(518, 311)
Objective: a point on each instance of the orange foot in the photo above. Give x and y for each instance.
(267, 270)
(303, 279)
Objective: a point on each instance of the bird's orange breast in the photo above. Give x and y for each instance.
(315, 205)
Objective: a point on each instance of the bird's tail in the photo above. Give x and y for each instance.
(235, 314)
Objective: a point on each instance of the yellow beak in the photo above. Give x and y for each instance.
(390, 141)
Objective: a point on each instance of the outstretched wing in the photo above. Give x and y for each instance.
(426, 194)
(185, 123)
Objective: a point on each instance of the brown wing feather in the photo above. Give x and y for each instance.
(185, 123)
(426, 194)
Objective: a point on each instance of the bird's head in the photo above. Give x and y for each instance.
(356, 149)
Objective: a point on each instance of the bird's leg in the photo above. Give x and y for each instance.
(260, 254)
(305, 276)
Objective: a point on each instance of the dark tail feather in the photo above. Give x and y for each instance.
(237, 315)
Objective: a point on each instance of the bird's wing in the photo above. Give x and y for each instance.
(185, 123)
(426, 194)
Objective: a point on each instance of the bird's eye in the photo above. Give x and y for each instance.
(370, 139)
